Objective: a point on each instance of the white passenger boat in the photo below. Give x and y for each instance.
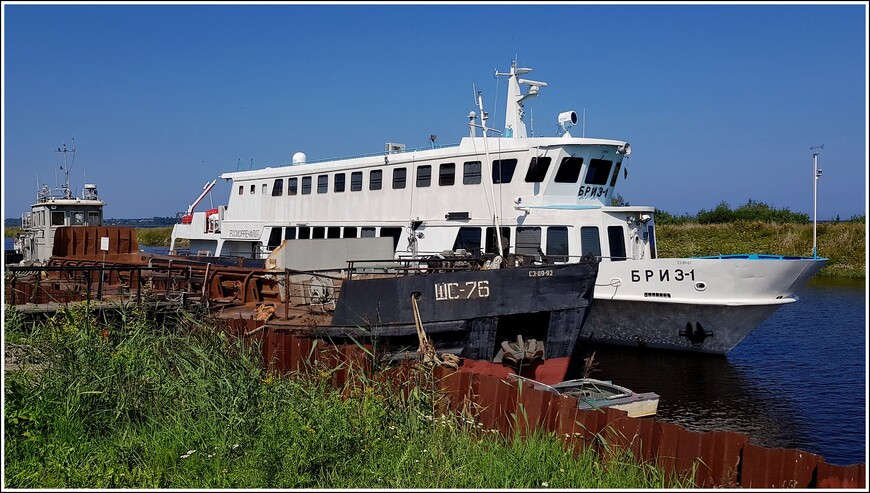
(549, 196)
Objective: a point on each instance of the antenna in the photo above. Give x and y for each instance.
(817, 172)
(67, 168)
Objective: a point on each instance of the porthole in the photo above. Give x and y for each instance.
(700, 286)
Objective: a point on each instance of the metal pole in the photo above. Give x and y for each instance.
(816, 174)
(815, 186)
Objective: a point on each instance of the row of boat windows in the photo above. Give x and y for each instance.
(597, 173)
(528, 239)
(62, 218)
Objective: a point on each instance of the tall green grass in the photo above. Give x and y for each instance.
(121, 400)
(844, 243)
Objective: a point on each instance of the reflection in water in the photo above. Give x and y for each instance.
(797, 381)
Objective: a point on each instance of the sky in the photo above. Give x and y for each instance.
(720, 102)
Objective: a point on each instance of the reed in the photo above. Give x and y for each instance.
(121, 400)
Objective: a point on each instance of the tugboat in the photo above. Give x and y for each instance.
(55, 208)
(509, 193)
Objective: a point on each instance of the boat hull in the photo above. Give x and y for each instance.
(471, 313)
(704, 305)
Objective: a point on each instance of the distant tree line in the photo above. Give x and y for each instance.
(752, 210)
(138, 223)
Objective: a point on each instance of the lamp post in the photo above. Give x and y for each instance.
(816, 174)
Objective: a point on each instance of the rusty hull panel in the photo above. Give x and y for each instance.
(83, 242)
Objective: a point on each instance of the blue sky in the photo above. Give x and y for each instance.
(719, 102)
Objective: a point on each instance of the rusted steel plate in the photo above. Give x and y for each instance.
(714, 456)
(534, 410)
(496, 399)
(831, 476)
(777, 467)
(459, 390)
(85, 241)
(638, 435)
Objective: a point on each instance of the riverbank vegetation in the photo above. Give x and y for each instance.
(121, 400)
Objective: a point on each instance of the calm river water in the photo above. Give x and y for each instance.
(797, 381)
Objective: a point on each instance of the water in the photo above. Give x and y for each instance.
(797, 381)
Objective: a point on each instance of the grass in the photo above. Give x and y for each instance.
(120, 400)
(843, 243)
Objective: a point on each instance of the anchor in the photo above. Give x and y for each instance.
(695, 335)
(522, 353)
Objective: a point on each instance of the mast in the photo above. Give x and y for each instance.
(483, 117)
(514, 126)
(67, 194)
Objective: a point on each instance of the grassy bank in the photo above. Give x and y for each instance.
(843, 243)
(122, 401)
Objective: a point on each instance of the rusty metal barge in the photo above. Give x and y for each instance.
(454, 307)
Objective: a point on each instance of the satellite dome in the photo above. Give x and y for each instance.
(299, 158)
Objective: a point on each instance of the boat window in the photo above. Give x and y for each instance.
(467, 239)
(396, 233)
(278, 187)
(356, 181)
(241, 189)
(651, 230)
(616, 240)
(292, 186)
(557, 243)
(538, 169)
(471, 173)
(569, 170)
(375, 178)
(318, 232)
(57, 218)
(290, 233)
(265, 188)
(350, 232)
(446, 174)
(333, 232)
(306, 185)
(274, 238)
(615, 174)
(253, 189)
(93, 219)
(492, 242)
(304, 232)
(322, 183)
(368, 233)
(77, 218)
(599, 170)
(590, 242)
(528, 241)
(424, 176)
(338, 184)
(503, 170)
(399, 177)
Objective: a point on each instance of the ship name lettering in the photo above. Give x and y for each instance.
(593, 192)
(662, 275)
(456, 291)
(244, 233)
